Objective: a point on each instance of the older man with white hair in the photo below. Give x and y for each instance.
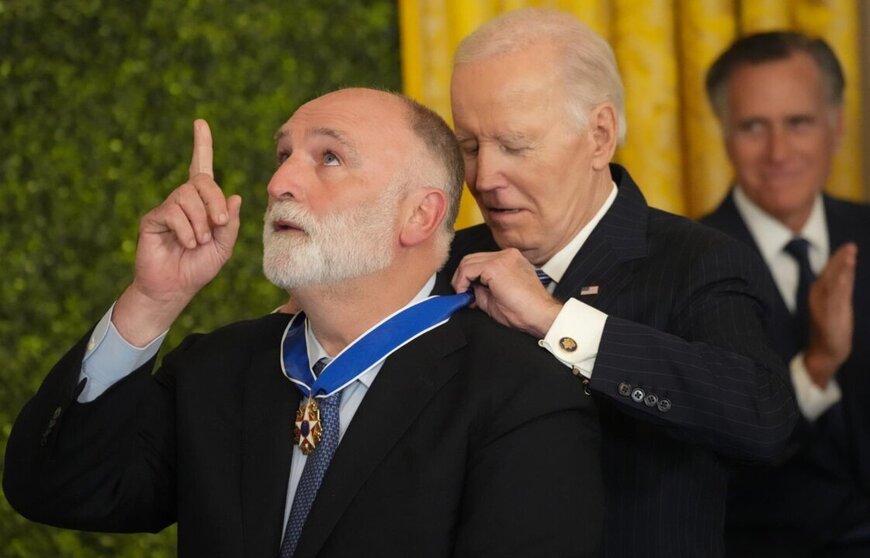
(660, 318)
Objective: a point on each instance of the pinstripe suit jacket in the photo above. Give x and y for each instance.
(685, 324)
(823, 491)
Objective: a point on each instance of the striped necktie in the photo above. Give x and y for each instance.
(315, 469)
(543, 278)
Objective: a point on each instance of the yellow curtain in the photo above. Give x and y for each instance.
(663, 48)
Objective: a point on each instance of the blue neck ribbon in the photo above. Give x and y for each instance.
(376, 344)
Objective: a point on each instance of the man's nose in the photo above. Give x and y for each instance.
(286, 182)
(488, 171)
(778, 144)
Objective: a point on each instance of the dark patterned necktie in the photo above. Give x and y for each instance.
(315, 468)
(543, 278)
(798, 248)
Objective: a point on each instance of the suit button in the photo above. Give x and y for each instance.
(568, 344)
(651, 400)
(664, 405)
(624, 389)
(637, 395)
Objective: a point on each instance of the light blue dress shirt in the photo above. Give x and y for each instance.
(109, 358)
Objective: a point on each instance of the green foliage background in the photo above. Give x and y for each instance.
(96, 103)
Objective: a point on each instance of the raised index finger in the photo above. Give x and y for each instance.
(203, 155)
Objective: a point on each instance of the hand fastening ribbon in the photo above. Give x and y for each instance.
(356, 359)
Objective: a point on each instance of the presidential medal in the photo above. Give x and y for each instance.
(307, 430)
(356, 359)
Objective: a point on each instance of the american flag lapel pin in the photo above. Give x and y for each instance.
(589, 290)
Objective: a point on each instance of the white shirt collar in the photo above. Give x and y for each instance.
(771, 236)
(558, 264)
(317, 352)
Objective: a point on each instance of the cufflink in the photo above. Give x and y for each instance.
(567, 344)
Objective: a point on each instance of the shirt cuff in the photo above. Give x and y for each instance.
(812, 400)
(575, 336)
(109, 358)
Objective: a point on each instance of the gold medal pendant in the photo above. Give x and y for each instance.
(307, 429)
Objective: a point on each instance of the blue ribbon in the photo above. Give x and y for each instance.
(376, 344)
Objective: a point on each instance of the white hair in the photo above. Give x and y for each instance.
(587, 63)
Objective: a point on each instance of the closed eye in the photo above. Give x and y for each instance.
(470, 150)
(513, 150)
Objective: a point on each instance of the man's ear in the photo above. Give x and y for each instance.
(603, 128)
(425, 209)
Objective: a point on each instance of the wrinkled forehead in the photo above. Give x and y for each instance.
(357, 118)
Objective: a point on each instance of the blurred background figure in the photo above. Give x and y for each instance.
(779, 99)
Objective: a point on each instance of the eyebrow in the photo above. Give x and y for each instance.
(502, 137)
(513, 137)
(337, 135)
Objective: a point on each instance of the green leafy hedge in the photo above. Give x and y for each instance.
(96, 104)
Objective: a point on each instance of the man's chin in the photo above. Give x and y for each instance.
(286, 283)
(288, 274)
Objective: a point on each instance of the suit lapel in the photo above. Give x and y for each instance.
(269, 406)
(408, 380)
(727, 219)
(606, 261)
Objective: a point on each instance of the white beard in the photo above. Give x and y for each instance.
(335, 248)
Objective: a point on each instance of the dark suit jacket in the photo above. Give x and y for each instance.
(470, 442)
(824, 490)
(684, 325)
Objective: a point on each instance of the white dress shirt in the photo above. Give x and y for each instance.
(576, 320)
(771, 236)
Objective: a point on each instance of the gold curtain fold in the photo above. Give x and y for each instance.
(646, 54)
(706, 27)
(761, 15)
(663, 48)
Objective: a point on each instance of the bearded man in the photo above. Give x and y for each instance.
(379, 421)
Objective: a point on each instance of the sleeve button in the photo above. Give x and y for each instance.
(637, 395)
